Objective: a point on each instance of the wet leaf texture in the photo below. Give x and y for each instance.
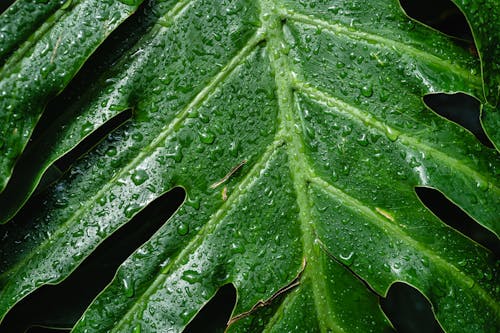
(299, 132)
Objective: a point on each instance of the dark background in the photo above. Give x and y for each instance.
(62, 305)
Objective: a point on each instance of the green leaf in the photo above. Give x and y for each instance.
(298, 130)
(484, 19)
(46, 43)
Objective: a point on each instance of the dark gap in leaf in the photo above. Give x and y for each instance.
(4, 4)
(98, 65)
(442, 15)
(64, 162)
(57, 112)
(23, 174)
(456, 218)
(214, 316)
(461, 109)
(408, 310)
(63, 304)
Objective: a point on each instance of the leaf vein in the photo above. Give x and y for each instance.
(391, 228)
(369, 120)
(342, 30)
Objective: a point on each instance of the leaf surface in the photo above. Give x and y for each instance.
(299, 133)
(44, 45)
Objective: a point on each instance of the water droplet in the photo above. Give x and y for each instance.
(139, 177)
(111, 151)
(367, 91)
(347, 259)
(137, 328)
(193, 202)
(67, 4)
(137, 137)
(340, 64)
(363, 140)
(102, 200)
(176, 154)
(237, 248)
(482, 185)
(206, 137)
(191, 276)
(183, 229)
(130, 210)
(488, 274)
(128, 286)
(424, 262)
(86, 128)
(391, 134)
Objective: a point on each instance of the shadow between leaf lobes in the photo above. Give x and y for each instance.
(442, 15)
(408, 310)
(63, 304)
(456, 218)
(214, 316)
(461, 109)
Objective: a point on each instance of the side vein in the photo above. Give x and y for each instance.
(392, 44)
(244, 185)
(297, 165)
(368, 120)
(169, 129)
(357, 206)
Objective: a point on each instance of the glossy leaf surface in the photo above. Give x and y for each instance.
(39, 57)
(299, 132)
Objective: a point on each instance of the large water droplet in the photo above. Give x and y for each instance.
(191, 276)
(137, 328)
(86, 128)
(391, 134)
(183, 229)
(367, 90)
(130, 210)
(139, 177)
(207, 137)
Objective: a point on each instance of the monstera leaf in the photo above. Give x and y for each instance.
(299, 132)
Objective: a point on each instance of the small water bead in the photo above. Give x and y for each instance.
(139, 177)
(347, 259)
(193, 202)
(183, 229)
(67, 4)
(111, 151)
(176, 154)
(367, 91)
(102, 200)
(130, 210)
(482, 185)
(137, 137)
(206, 137)
(391, 134)
(362, 140)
